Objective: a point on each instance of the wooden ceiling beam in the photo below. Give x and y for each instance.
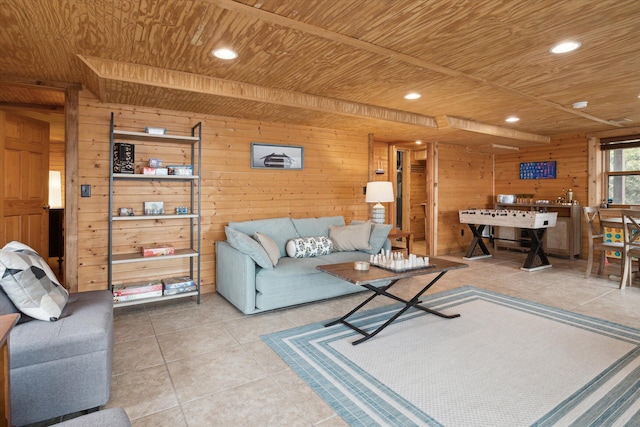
(392, 54)
(471, 126)
(99, 70)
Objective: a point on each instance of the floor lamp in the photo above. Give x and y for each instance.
(379, 192)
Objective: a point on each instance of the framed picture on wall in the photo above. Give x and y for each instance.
(538, 170)
(271, 156)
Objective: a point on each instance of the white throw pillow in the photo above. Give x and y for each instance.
(30, 284)
(304, 247)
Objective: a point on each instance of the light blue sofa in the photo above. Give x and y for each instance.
(253, 289)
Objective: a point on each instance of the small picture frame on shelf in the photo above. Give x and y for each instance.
(126, 211)
(153, 208)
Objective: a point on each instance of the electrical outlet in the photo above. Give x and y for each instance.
(85, 190)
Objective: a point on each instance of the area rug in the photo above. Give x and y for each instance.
(504, 362)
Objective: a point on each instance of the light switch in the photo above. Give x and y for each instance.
(85, 190)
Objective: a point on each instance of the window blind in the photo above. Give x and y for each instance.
(615, 142)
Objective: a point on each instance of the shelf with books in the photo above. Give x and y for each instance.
(180, 185)
(156, 299)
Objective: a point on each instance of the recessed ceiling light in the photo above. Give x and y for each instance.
(418, 142)
(224, 53)
(412, 95)
(580, 104)
(512, 119)
(565, 47)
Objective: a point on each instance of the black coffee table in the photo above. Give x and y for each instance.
(380, 280)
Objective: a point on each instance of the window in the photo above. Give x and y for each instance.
(622, 169)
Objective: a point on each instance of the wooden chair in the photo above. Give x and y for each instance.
(631, 232)
(596, 239)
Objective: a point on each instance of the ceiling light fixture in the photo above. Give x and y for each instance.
(512, 119)
(418, 142)
(565, 47)
(224, 53)
(580, 104)
(412, 95)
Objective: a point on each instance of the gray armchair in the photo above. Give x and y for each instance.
(62, 367)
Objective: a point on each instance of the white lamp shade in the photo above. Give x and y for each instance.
(55, 190)
(379, 191)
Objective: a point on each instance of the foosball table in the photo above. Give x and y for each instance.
(535, 223)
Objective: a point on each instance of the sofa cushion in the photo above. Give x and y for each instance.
(305, 247)
(313, 227)
(379, 235)
(296, 281)
(269, 246)
(281, 230)
(29, 282)
(352, 237)
(85, 327)
(245, 244)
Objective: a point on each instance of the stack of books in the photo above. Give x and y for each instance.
(178, 285)
(134, 291)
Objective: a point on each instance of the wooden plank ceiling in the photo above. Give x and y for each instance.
(345, 64)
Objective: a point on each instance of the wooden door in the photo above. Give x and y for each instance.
(24, 210)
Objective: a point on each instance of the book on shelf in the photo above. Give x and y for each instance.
(137, 288)
(160, 250)
(177, 282)
(176, 291)
(178, 285)
(132, 297)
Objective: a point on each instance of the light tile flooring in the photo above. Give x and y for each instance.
(183, 364)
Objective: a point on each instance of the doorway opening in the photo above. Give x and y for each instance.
(42, 108)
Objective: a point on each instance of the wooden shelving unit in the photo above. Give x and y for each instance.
(194, 142)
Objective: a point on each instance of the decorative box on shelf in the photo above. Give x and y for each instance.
(155, 131)
(153, 208)
(159, 250)
(180, 170)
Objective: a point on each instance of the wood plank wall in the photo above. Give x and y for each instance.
(464, 180)
(335, 170)
(571, 155)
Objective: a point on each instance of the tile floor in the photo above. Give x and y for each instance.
(182, 364)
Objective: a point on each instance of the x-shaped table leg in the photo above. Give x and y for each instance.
(413, 302)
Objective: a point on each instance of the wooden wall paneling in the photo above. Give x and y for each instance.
(336, 166)
(464, 180)
(72, 189)
(571, 153)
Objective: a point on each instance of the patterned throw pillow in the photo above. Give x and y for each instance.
(30, 284)
(309, 246)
